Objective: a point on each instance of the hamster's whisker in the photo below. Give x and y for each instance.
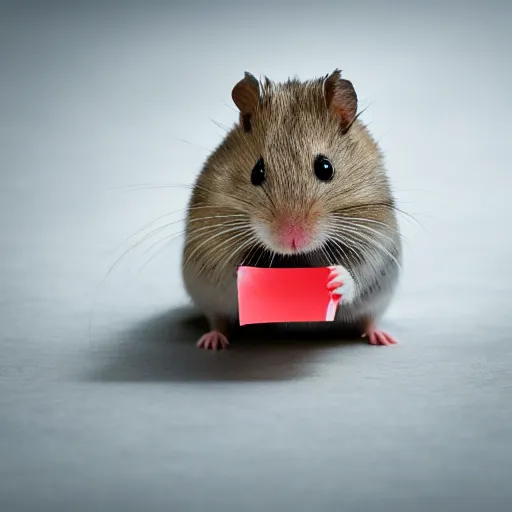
(209, 217)
(342, 250)
(198, 235)
(203, 228)
(135, 245)
(259, 258)
(234, 199)
(239, 245)
(333, 232)
(193, 144)
(392, 231)
(249, 254)
(360, 221)
(219, 225)
(408, 216)
(248, 259)
(339, 247)
(349, 233)
(148, 224)
(372, 221)
(200, 187)
(228, 245)
(360, 206)
(358, 246)
(238, 208)
(367, 251)
(166, 241)
(354, 246)
(333, 252)
(247, 239)
(159, 229)
(389, 204)
(212, 207)
(372, 242)
(353, 228)
(142, 240)
(326, 250)
(368, 229)
(234, 245)
(272, 257)
(230, 107)
(216, 123)
(325, 255)
(207, 241)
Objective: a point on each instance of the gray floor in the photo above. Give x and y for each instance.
(106, 405)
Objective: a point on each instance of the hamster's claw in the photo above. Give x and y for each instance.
(341, 283)
(378, 337)
(213, 340)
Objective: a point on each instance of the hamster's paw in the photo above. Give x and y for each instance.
(213, 340)
(378, 337)
(341, 283)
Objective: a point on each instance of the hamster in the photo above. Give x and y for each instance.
(297, 182)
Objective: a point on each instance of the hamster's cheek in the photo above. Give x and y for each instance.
(262, 232)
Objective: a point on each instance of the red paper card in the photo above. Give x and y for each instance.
(274, 295)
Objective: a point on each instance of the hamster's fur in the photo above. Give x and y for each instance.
(266, 197)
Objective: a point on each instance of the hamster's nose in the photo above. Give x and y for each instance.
(293, 235)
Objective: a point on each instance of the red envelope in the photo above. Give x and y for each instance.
(274, 295)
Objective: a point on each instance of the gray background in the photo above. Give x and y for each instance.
(105, 403)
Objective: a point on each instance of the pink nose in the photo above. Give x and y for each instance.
(294, 236)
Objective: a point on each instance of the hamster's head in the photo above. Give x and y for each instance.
(299, 164)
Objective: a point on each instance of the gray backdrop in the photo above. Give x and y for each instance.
(106, 116)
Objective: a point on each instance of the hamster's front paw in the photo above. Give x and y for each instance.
(213, 340)
(341, 283)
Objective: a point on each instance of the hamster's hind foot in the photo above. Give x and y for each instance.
(378, 337)
(213, 340)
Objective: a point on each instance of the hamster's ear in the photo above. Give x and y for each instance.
(341, 98)
(246, 96)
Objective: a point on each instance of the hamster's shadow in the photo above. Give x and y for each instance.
(162, 348)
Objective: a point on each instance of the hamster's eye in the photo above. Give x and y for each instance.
(323, 168)
(258, 173)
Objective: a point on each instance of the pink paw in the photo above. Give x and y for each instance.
(341, 284)
(378, 337)
(213, 340)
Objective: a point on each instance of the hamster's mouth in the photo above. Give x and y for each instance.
(262, 257)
